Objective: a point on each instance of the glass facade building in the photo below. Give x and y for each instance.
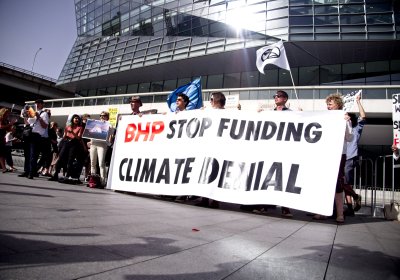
(133, 46)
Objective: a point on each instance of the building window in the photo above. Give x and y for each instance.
(249, 79)
(215, 81)
(232, 80)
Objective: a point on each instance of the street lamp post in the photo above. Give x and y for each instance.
(33, 64)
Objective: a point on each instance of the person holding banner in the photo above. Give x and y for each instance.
(136, 103)
(181, 102)
(217, 101)
(351, 158)
(334, 101)
(280, 98)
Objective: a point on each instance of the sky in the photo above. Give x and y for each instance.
(27, 25)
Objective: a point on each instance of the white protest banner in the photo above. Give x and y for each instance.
(349, 100)
(282, 158)
(396, 119)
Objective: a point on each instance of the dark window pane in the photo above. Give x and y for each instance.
(352, 19)
(232, 80)
(330, 74)
(375, 19)
(308, 76)
(249, 79)
(170, 85)
(349, 9)
(214, 81)
(305, 20)
(326, 20)
(326, 9)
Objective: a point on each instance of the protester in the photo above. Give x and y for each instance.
(26, 142)
(351, 159)
(217, 102)
(46, 154)
(182, 101)
(98, 149)
(280, 99)
(53, 129)
(71, 150)
(86, 161)
(39, 123)
(5, 125)
(335, 102)
(136, 103)
(9, 139)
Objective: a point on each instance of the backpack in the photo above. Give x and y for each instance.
(94, 181)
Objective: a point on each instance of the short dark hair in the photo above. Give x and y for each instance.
(353, 119)
(39, 101)
(219, 97)
(185, 98)
(283, 93)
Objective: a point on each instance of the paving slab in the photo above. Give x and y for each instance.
(50, 230)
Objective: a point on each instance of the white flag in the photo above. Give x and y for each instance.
(272, 54)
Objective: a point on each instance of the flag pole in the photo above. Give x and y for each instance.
(294, 86)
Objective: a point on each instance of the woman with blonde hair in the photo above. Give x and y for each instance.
(335, 102)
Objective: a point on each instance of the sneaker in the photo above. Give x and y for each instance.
(30, 177)
(358, 203)
(340, 219)
(23, 175)
(286, 212)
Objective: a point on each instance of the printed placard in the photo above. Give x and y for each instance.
(396, 119)
(97, 129)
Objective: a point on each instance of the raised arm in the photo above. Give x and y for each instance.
(360, 107)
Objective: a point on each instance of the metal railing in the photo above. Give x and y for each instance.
(384, 194)
(252, 93)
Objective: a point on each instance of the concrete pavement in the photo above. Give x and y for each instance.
(50, 230)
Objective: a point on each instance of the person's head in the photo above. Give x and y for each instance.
(104, 116)
(76, 120)
(4, 113)
(281, 97)
(136, 103)
(334, 101)
(39, 103)
(53, 125)
(182, 101)
(85, 117)
(48, 111)
(218, 100)
(353, 119)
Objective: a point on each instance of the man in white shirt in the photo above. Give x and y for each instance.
(40, 124)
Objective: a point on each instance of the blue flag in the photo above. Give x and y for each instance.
(192, 90)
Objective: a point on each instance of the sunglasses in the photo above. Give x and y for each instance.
(278, 96)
